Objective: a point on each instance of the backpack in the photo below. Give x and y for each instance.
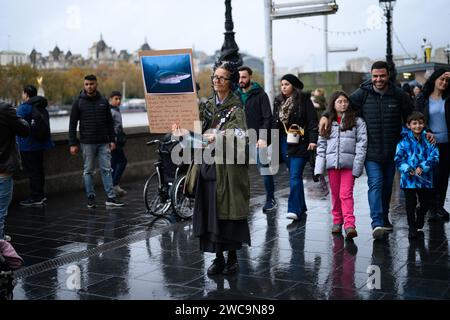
(40, 124)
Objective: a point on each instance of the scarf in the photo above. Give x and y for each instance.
(286, 110)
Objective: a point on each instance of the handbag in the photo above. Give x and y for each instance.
(190, 181)
(294, 133)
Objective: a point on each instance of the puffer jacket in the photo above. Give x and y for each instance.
(94, 116)
(384, 116)
(343, 149)
(412, 153)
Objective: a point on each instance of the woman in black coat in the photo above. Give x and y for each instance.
(293, 107)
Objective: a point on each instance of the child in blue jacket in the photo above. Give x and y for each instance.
(415, 158)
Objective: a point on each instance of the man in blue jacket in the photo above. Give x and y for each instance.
(31, 148)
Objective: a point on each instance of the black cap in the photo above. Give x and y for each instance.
(293, 80)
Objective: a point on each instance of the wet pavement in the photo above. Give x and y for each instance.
(124, 253)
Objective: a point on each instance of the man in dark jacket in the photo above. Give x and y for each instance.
(32, 149)
(97, 139)
(385, 108)
(10, 126)
(259, 117)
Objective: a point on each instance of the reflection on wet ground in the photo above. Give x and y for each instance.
(126, 254)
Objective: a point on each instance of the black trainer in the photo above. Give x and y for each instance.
(270, 205)
(433, 215)
(91, 202)
(32, 202)
(113, 202)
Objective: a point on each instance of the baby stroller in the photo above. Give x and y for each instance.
(9, 262)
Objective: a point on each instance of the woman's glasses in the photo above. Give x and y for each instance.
(219, 79)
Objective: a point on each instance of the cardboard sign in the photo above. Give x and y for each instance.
(170, 91)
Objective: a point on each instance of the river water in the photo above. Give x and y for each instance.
(132, 119)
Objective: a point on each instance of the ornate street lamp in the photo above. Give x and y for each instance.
(388, 7)
(230, 49)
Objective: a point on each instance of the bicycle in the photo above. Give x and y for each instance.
(164, 188)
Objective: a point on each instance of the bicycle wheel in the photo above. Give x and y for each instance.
(156, 198)
(183, 206)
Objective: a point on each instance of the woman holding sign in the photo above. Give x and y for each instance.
(223, 189)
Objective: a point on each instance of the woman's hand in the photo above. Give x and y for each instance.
(177, 131)
(312, 146)
(210, 137)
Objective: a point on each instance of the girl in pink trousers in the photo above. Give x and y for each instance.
(342, 151)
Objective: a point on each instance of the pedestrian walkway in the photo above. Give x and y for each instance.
(124, 253)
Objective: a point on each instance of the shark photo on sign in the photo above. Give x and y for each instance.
(168, 74)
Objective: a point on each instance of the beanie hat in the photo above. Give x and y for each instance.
(293, 80)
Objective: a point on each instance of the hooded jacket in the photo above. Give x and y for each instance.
(257, 108)
(412, 153)
(94, 116)
(10, 126)
(384, 115)
(24, 111)
(343, 149)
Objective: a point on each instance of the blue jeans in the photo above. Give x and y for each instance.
(6, 190)
(295, 164)
(103, 153)
(380, 176)
(264, 170)
(118, 164)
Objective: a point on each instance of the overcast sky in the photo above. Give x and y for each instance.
(171, 24)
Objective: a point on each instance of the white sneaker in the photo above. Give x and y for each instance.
(292, 216)
(378, 233)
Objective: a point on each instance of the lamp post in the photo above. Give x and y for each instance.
(447, 53)
(388, 7)
(230, 50)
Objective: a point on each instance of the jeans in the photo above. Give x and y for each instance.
(264, 170)
(6, 190)
(118, 164)
(341, 185)
(33, 163)
(295, 165)
(380, 176)
(103, 153)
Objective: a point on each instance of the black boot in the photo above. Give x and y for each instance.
(218, 265)
(232, 263)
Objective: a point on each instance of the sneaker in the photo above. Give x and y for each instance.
(114, 202)
(31, 202)
(387, 226)
(270, 205)
(378, 233)
(119, 191)
(292, 216)
(336, 228)
(443, 214)
(91, 202)
(351, 233)
(7, 238)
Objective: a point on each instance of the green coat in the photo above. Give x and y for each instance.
(232, 184)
